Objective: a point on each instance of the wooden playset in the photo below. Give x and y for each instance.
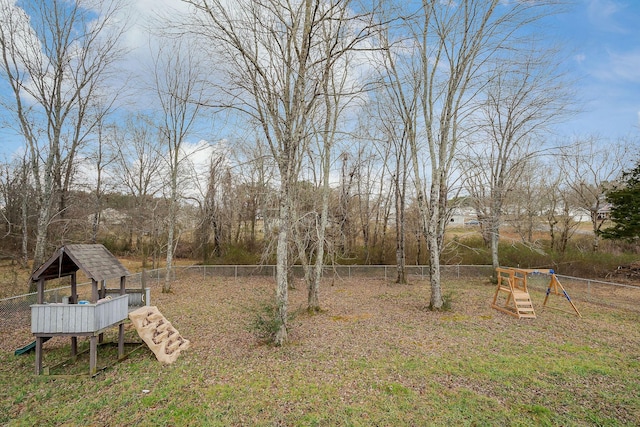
(512, 296)
(76, 318)
(512, 293)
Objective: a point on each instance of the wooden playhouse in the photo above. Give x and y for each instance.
(74, 318)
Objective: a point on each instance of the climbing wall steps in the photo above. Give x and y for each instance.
(158, 333)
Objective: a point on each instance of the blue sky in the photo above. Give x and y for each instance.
(602, 38)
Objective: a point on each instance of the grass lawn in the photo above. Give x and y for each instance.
(376, 356)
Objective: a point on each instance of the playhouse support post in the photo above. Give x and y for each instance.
(74, 289)
(93, 355)
(123, 283)
(74, 347)
(94, 291)
(121, 341)
(40, 291)
(38, 355)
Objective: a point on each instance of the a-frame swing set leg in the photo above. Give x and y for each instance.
(555, 284)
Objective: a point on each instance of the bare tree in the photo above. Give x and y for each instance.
(336, 94)
(15, 192)
(276, 58)
(450, 48)
(526, 203)
(215, 224)
(56, 57)
(101, 157)
(525, 95)
(368, 200)
(591, 166)
(399, 121)
(557, 204)
(179, 87)
(257, 174)
(137, 171)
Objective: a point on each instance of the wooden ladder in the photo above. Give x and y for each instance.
(513, 283)
(523, 305)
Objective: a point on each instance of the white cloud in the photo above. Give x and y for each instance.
(604, 13)
(626, 66)
(620, 67)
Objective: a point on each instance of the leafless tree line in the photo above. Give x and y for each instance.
(336, 129)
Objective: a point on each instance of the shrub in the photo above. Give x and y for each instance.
(266, 323)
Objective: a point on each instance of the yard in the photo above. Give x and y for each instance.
(375, 356)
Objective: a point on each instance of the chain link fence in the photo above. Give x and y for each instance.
(615, 295)
(608, 294)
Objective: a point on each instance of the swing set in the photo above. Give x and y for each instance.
(512, 294)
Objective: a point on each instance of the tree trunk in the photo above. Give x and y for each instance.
(166, 287)
(400, 237)
(435, 246)
(313, 300)
(495, 240)
(596, 229)
(25, 231)
(434, 272)
(282, 285)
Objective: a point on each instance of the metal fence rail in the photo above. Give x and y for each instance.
(17, 309)
(609, 294)
(342, 271)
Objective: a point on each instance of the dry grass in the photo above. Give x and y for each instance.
(374, 356)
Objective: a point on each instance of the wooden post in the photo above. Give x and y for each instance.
(74, 289)
(73, 299)
(38, 355)
(41, 291)
(143, 283)
(93, 355)
(121, 326)
(94, 291)
(74, 347)
(121, 341)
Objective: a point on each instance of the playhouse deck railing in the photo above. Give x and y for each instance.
(60, 318)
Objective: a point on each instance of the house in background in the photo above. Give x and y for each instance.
(463, 216)
(604, 212)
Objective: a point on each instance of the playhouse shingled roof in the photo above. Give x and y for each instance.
(94, 260)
